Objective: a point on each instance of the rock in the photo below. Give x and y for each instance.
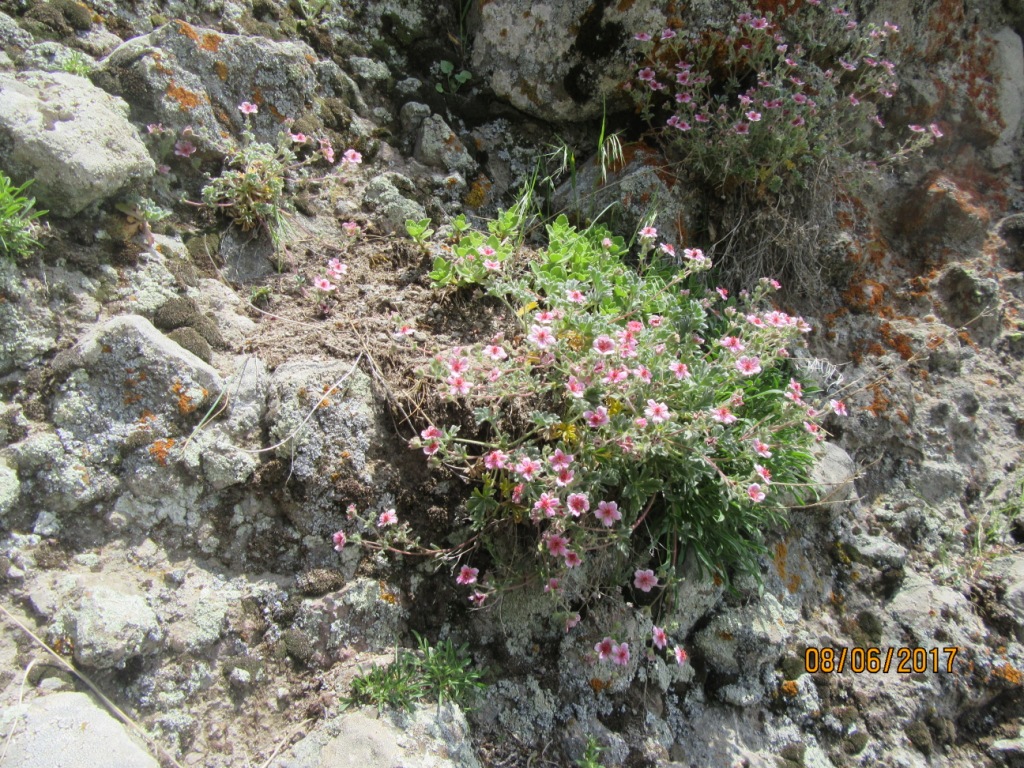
(385, 195)
(51, 57)
(563, 61)
(438, 146)
(248, 256)
(1008, 572)
(184, 75)
(108, 628)
(10, 487)
(934, 615)
(71, 137)
(358, 617)
(833, 473)
(430, 737)
(1007, 72)
(192, 340)
(67, 730)
(412, 116)
(28, 327)
(11, 35)
(970, 301)
(741, 642)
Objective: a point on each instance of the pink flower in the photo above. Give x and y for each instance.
(838, 407)
(660, 637)
(748, 366)
(572, 559)
(620, 654)
(643, 37)
(604, 648)
(485, 250)
(327, 150)
(645, 580)
(762, 449)
(667, 34)
(811, 427)
(491, 265)
(564, 477)
(657, 412)
(576, 296)
(558, 545)
(648, 233)
(935, 130)
(458, 385)
(526, 468)
(339, 540)
(541, 336)
(680, 655)
(560, 459)
(755, 493)
(608, 513)
(722, 415)
(494, 352)
(575, 386)
(607, 243)
(917, 128)
(431, 433)
(646, 74)
(764, 473)
(495, 459)
(351, 228)
(298, 138)
(679, 369)
(246, 108)
(668, 249)
(351, 157)
(732, 343)
(323, 284)
(604, 345)
(655, 321)
(548, 505)
(477, 599)
(643, 373)
(596, 418)
(184, 148)
(553, 585)
(467, 575)
(753, 116)
(578, 503)
(742, 129)
(388, 517)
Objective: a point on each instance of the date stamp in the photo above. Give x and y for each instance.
(903, 660)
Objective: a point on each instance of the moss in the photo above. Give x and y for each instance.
(190, 339)
(855, 742)
(920, 736)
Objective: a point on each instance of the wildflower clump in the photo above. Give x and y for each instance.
(763, 100)
(19, 229)
(662, 418)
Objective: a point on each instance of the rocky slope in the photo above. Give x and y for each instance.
(184, 421)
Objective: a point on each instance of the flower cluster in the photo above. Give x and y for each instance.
(761, 98)
(664, 418)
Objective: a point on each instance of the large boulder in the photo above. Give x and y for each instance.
(71, 137)
(559, 61)
(180, 75)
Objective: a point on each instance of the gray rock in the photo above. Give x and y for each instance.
(186, 75)
(833, 474)
(11, 35)
(1008, 74)
(248, 256)
(1009, 573)
(369, 71)
(67, 730)
(386, 196)
(934, 615)
(970, 300)
(431, 737)
(28, 327)
(10, 487)
(71, 137)
(545, 58)
(50, 57)
(108, 628)
(878, 551)
(412, 115)
(438, 146)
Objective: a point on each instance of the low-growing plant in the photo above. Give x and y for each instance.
(592, 755)
(453, 80)
(636, 418)
(419, 230)
(443, 672)
(19, 228)
(77, 63)
(763, 100)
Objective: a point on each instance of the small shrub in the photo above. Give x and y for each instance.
(634, 418)
(764, 100)
(19, 229)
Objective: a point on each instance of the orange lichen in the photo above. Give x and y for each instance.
(185, 400)
(597, 685)
(160, 449)
(789, 688)
(221, 69)
(1009, 673)
(186, 99)
(880, 401)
